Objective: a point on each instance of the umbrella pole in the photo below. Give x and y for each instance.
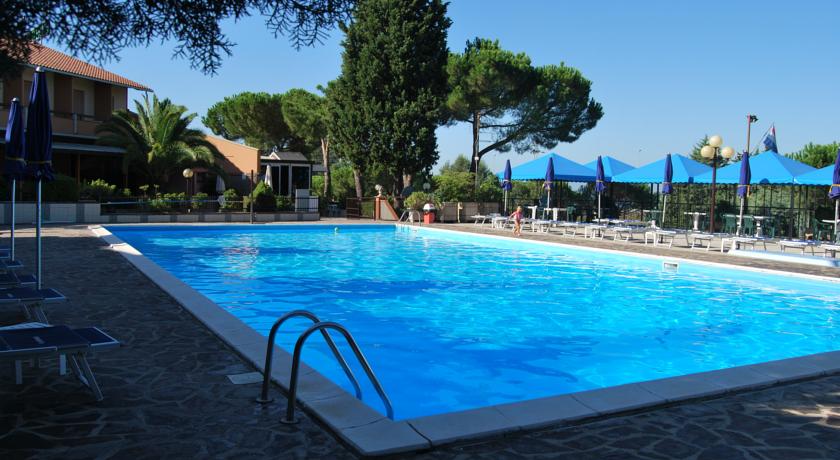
(38, 235)
(506, 201)
(836, 216)
(599, 206)
(664, 208)
(12, 229)
(740, 217)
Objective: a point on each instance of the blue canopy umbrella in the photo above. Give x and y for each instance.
(767, 168)
(549, 180)
(507, 185)
(612, 166)
(834, 191)
(744, 186)
(14, 164)
(685, 171)
(600, 184)
(39, 148)
(564, 170)
(667, 188)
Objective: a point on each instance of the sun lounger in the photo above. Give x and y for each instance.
(31, 300)
(831, 249)
(659, 236)
(39, 342)
(801, 245)
(625, 233)
(593, 230)
(737, 242)
(499, 222)
(701, 240)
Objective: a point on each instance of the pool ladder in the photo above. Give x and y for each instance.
(322, 327)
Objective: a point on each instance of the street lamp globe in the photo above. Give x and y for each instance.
(715, 141)
(727, 152)
(188, 173)
(707, 151)
(426, 186)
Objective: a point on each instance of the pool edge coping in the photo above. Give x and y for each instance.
(372, 434)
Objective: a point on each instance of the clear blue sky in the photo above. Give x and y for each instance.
(666, 72)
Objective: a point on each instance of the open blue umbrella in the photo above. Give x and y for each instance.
(744, 185)
(600, 185)
(549, 180)
(15, 164)
(39, 152)
(667, 188)
(507, 185)
(834, 191)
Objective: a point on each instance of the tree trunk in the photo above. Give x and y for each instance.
(476, 157)
(325, 151)
(357, 178)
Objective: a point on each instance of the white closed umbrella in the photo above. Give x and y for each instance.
(268, 177)
(220, 185)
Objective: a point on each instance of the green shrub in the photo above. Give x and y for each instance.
(232, 200)
(125, 193)
(264, 199)
(198, 201)
(455, 186)
(97, 189)
(284, 203)
(159, 204)
(417, 200)
(62, 189)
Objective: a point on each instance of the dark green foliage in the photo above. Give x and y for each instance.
(99, 30)
(306, 115)
(198, 202)
(62, 189)
(255, 118)
(232, 200)
(284, 203)
(525, 108)
(97, 189)
(264, 199)
(417, 200)
(388, 101)
(455, 186)
(817, 155)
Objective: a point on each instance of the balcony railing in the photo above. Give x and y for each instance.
(62, 122)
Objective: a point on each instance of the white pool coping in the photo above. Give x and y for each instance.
(372, 434)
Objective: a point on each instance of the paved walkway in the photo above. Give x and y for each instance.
(167, 394)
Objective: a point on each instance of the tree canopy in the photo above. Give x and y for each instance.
(99, 30)
(388, 101)
(306, 116)
(158, 139)
(525, 108)
(255, 118)
(817, 155)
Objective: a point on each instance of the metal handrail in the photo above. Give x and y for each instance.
(321, 326)
(269, 353)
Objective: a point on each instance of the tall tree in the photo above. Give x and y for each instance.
(306, 115)
(99, 30)
(525, 108)
(158, 139)
(817, 155)
(255, 118)
(389, 98)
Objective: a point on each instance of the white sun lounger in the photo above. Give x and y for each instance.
(800, 245)
(736, 242)
(702, 241)
(593, 230)
(831, 249)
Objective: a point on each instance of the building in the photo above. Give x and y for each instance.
(81, 97)
(290, 171)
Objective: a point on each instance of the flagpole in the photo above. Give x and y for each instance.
(12, 230)
(38, 234)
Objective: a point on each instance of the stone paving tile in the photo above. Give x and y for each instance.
(167, 394)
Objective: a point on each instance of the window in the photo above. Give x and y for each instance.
(284, 181)
(300, 178)
(78, 102)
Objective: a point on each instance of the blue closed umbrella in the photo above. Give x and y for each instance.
(834, 191)
(507, 185)
(39, 149)
(14, 163)
(667, 188)
(744, 185)
(600, 185)
(549, 180)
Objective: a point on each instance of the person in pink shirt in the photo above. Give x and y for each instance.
(517, 220)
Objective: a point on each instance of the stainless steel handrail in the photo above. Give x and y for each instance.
(269, 354)
(321, 326)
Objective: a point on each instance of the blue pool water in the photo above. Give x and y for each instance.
(455, 321)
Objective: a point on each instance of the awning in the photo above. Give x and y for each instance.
(612, 167)
(685, 170)
(822, 176)
(766, 168)
(63, 147)
(564, 170)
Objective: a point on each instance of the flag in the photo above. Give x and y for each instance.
(770, 140)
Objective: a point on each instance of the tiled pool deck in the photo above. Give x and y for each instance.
(167, 394)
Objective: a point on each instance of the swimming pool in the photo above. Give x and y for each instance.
(453, 321)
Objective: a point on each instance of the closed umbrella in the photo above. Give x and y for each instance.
(507, 185)
(667, 189)
(600, 185)
(39, 149)
(549, 180)
(15, 164)
(744, 186)
(220, 185)
(834, 191)
(268, 176)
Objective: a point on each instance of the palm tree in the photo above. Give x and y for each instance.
(158, 140)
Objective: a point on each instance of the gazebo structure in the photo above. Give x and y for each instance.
(612, 167)
(564, 170)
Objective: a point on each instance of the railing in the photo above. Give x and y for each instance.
(62, 122)
(360, 208)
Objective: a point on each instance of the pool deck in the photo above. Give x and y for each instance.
(168, 395)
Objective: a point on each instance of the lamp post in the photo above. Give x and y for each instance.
(711, 151)
(426, 187)
(188, 174)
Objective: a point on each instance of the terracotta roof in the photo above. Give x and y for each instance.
(57, 61)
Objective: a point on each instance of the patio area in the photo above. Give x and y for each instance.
(167, 394)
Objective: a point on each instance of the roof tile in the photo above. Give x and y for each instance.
(60, 62)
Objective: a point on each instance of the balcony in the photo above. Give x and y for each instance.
(62, 122)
